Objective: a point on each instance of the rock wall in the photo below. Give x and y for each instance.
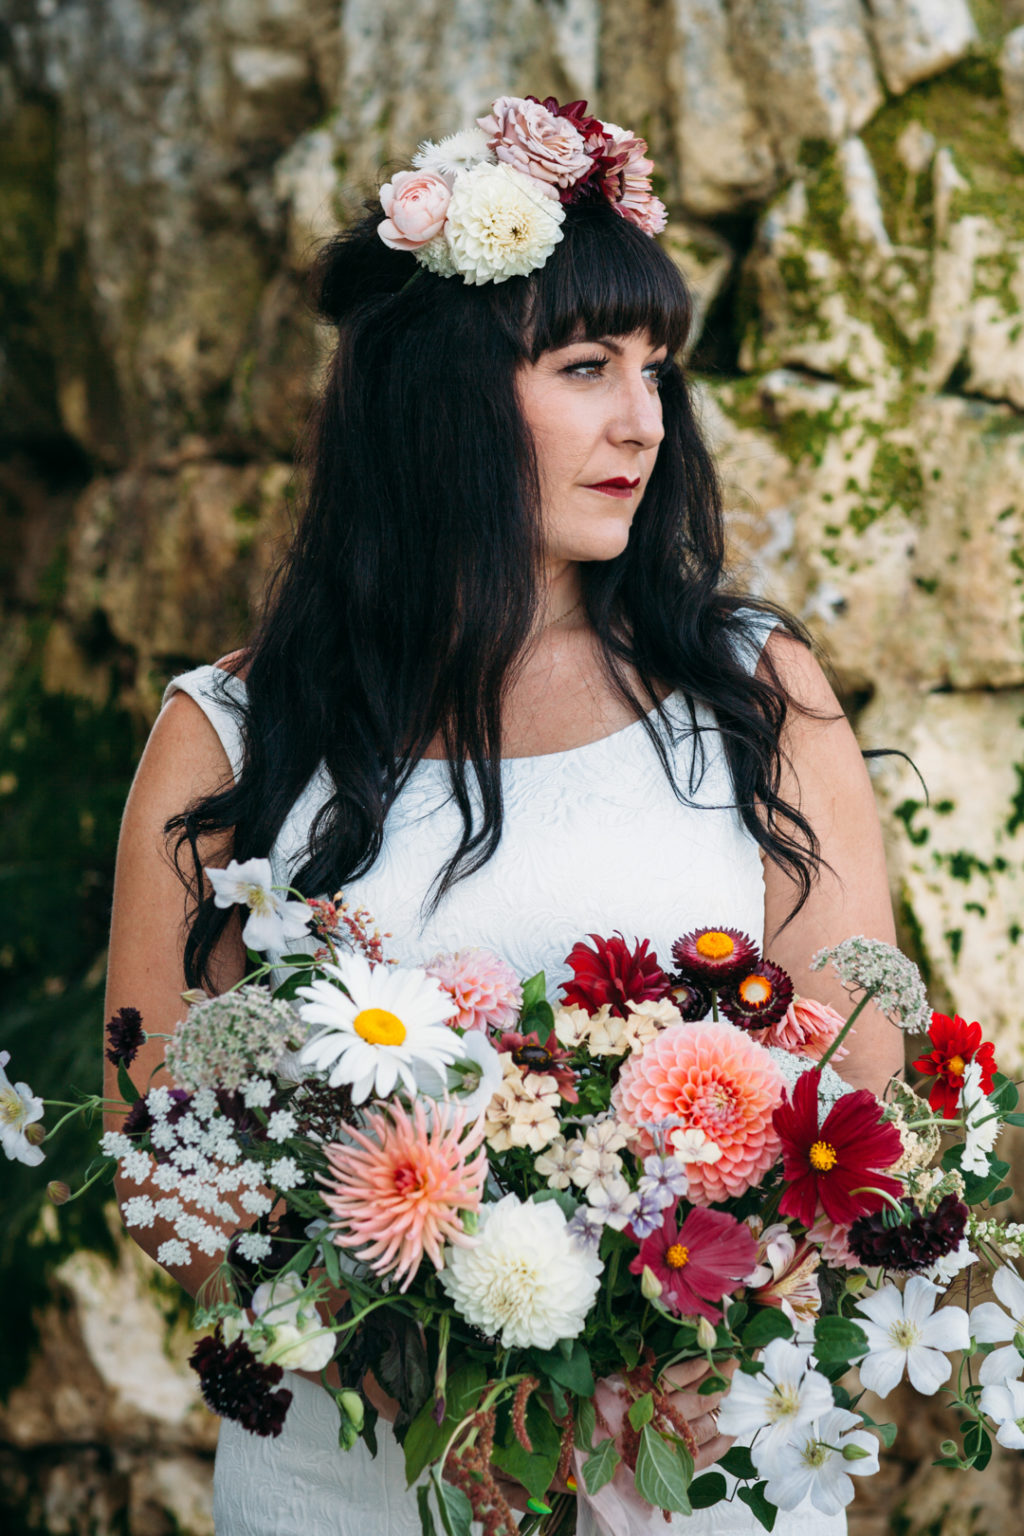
(843, 178)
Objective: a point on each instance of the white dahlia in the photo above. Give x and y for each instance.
(525, 1279)
(500, 224)
(385, 1024)
(454, 154)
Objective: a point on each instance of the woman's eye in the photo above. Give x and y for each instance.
(589, 365)
(656, 371)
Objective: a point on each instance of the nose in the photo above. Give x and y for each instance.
(638, 421)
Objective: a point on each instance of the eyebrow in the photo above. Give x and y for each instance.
(605, 341)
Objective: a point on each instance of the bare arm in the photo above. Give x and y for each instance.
(826, 777)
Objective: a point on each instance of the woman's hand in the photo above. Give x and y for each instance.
(701, 1413)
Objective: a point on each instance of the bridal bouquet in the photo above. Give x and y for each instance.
(518, 1213)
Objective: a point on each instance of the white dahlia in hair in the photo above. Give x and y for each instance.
(500, 224)
(455, 153)
(525, 1280)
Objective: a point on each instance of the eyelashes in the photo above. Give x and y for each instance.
(598, 364)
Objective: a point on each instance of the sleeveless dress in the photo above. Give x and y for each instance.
(594, 840)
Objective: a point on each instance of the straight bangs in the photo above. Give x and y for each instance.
(606, 278)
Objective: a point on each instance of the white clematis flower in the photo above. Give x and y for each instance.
(991, 1325)
(784, 1399)
(272, 921)
(981, 1122)
(298, 1339)
(19, 1108)
(1003, 1402)
(385, 1025)
(903, 1333)
(812, 1465)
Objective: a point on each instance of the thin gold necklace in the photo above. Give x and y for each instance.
(566, 615)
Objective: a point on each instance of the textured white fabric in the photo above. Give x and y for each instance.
(594, 841)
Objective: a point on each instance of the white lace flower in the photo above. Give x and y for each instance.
(981, 1122)
(903, 1333)
(455, 153)
(812, 1466)
(272, 921)
(139, 1211)
(785, 1398)
(524, 1279)
(377, 1031)
(991, 1325)
(254, 1246)
(173, 1252)
(1003, 1402)
(500, 224)
(19, 1108)
(281, 1125)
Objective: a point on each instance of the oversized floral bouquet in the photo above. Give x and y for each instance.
(520, 1214)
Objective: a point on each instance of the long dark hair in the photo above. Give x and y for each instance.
(407, 599)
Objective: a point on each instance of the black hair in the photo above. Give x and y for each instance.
(406, 601)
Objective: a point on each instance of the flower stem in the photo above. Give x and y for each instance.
(88, 1183)
(854, 1016)
(76, 1109)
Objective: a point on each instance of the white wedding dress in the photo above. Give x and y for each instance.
(593, 841)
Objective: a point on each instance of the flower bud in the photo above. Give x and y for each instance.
(855, 1453)
(351, 1405)
(35, 1134)
(650, 1286)
(706, 1336)
(855, 1283)
(58, 1191)
(347, 1435)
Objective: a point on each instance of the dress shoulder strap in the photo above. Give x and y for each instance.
(750, 631)
(221, 696)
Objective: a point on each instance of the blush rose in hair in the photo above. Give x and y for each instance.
(416, 206)
(525, 135)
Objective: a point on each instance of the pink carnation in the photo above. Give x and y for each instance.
(807, 1028)
(484, 988)
(416, 205)
(715, 1078)
(527, 136)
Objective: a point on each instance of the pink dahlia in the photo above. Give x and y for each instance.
(807, 1028)
(713, 1078)
(699, 1262)
(399, 1187)
(484, 988)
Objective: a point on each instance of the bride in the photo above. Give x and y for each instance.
(500, 691)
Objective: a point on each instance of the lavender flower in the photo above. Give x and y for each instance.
(585, 1227)
(893, 981)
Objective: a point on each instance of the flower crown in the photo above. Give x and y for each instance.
(488, 203)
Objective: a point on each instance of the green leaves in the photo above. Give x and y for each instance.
(642, 1411)
(738, 1462)
(454, 1508)
(537, 1012)
(663, 1474)
(767, 1324)
(758, 1505)
(425, 1439)
(534, 1469)
(838, 1339)
(707, 1490)
(600, 1466)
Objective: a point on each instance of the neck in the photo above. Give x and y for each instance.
(563, 598)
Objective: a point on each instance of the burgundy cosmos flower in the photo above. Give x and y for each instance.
(955, 1044)
(714, 955)
(235, 1385)
(759, 997)
(833, 1165)
(699, 1262)
(613, 973)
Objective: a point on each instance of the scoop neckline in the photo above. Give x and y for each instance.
(584, 746)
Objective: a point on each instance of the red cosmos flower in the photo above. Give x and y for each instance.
(956, 1043)
(833, 1164)
(699, 1262)
(614, 974)
(550, 1058)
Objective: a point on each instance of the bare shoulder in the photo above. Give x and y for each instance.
(236, 663)
(800, 673)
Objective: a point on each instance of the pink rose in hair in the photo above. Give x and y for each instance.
(626, 180)
(416, 205)
(530, 138)
(807, 1028)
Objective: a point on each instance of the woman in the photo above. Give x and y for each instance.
(499, 693)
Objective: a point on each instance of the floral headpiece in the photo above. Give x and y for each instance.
(488, 203)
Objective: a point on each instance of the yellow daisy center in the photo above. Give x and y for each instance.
(755, 990)
(12, 1107)
(677, 1256)
(823, 1156)
(379, 1027)
(956, 1065)
(714, 945)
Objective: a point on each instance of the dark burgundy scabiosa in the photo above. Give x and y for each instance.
(138, 1122)
(912, 1241)
(125, 1035)
(955, 1043)
(758, 998)
(839, 1165)
(714, 955)
(248, 1126)
(611, 973)
(236, 1386)
(691, 997)
(550, 1058)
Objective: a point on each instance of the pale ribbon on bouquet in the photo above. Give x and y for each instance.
(616, 1509)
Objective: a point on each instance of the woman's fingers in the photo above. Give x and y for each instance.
(711, 1451)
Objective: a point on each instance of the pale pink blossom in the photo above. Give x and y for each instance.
(523, 1111)
(525, 135)
(807, 1028)
(416, 205)
(831, 1239)
(626, 180)
(484, 988)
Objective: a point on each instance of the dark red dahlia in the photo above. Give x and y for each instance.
(715, 955)
(839, 1165)
(125, 1035)
(550, 1058)
(236, 1386)
(613, 973)
(956, 1043)
(912, 1239)
(691, 998)
(758, 998)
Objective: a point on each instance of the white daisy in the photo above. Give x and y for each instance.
(991, 1325)
(1004, 1404)
(455, 153)
(375, 1033)
(272, 921)
(785, 1398)
(902, 1332)
(812, 1465)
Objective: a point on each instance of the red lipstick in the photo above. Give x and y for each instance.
(618, 487)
